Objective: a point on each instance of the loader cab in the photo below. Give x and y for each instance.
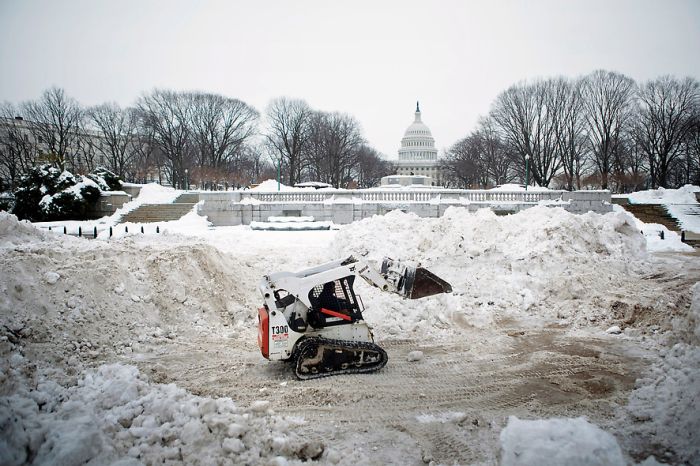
(334, 303)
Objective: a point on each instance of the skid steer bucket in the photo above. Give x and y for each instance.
(413, 282)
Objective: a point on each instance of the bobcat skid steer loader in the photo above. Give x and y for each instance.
(313, 317)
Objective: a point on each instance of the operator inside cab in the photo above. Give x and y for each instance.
(328, 299)
(331, 304)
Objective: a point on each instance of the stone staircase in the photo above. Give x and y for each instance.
(151, 213)
(652, 213)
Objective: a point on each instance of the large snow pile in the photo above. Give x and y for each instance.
(114, 415)
(90, 299)
(71, 303)
(15, 232)
(557, 442)
(537, 233)
(542, 262)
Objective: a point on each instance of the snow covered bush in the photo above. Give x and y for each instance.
(46, 193)
(105, 179)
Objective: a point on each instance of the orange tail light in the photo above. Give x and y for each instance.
(263, 332)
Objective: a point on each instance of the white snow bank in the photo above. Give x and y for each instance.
(271, 185)
(115, 414)
(518, 187)
(154, 193)
(684, 195)
(190, 224)
(557, 442)
(14, 232)
(290, 226)
(652, 232)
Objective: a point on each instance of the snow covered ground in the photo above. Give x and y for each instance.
(141, 349)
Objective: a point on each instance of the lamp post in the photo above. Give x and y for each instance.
(527, 170)
(279, 168)
(187, 181)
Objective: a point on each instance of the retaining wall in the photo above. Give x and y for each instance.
(346, 206)
(108, 203)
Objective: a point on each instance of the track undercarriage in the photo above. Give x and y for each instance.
(318, 357)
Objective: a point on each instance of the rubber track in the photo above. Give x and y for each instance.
(309, 348)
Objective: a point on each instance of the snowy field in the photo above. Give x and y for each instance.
(568, 339)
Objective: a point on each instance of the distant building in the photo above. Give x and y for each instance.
(418, 155)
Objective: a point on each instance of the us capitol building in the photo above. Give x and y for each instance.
(418, 155)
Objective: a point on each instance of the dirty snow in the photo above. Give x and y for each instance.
(97, 336)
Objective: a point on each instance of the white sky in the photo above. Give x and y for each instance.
(372, 59)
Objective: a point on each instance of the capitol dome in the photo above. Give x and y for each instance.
(417, 142)
(418, 155)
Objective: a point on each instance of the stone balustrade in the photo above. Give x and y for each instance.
(345, 206)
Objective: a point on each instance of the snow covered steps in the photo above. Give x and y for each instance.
(151, 213)
(290, 224)
(653, 213)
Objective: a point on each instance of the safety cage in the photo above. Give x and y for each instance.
(334, 303)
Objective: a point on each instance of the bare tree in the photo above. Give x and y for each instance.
(334, 142)
(55, 121)
(18, 151)
(525, 115)
(629, 167)
(88, 152)
(167, 115)
(148, 159)
(220, 128)
(116, 129)
(608, 102)
(693, 150)
(497, 156)
(569, 127)
(666, 118)
(463, 164)
(371, 167)
(287, 133)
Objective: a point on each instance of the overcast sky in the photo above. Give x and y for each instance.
(372, 59)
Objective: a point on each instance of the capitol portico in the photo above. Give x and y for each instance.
(418, 155)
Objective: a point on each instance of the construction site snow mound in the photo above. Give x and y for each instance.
(526, 264)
